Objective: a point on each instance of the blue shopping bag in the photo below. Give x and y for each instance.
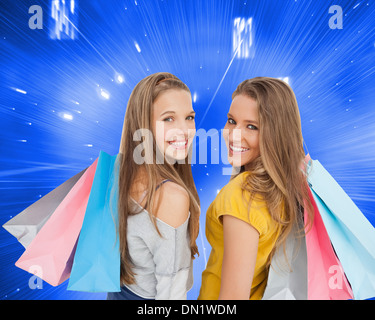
(351, 234)
(96, 265)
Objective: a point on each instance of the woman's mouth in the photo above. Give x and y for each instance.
(178, 144)
(237, 150)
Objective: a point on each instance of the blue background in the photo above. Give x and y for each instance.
(54, 120)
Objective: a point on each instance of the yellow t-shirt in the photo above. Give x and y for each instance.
(231, 200)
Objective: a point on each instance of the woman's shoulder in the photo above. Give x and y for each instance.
(234, 185)
(235, 195)
(235, 200)
(174, 204)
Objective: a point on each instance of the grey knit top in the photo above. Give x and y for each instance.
(163, 265)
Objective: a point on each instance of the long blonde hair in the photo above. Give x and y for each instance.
(139, 114)
(278, 174)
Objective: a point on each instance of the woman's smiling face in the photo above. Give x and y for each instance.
(174, 123)
(241, 132)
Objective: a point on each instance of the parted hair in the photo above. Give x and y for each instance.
(279, 173)
(139, 114)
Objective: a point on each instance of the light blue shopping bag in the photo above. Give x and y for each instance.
(351, 234)
(96, 265)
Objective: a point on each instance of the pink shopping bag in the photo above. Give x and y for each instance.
(326, 278)
(52, 250)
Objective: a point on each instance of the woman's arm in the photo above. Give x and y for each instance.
(240, 252)
(171, 252)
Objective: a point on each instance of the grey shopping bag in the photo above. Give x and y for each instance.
(27, 223)
(287, 279)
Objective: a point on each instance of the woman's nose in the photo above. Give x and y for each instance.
(185, 127)
(236, 135)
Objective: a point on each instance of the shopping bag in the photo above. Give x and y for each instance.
(287, 276)
(351, 234)
(27, 224)
(52, 249)
(96, 265)
(326, 278)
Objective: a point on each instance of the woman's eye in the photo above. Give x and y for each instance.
(252, 127)
(169, 119)
(231, 121)
(190, 118)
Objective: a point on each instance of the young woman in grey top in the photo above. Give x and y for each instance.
(158, 202)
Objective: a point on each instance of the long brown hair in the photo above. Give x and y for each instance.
(279, 173)
(139, 114)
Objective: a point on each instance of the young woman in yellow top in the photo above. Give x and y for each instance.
(254, 213)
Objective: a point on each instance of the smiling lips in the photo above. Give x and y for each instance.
(179, 144)
(237, 150)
